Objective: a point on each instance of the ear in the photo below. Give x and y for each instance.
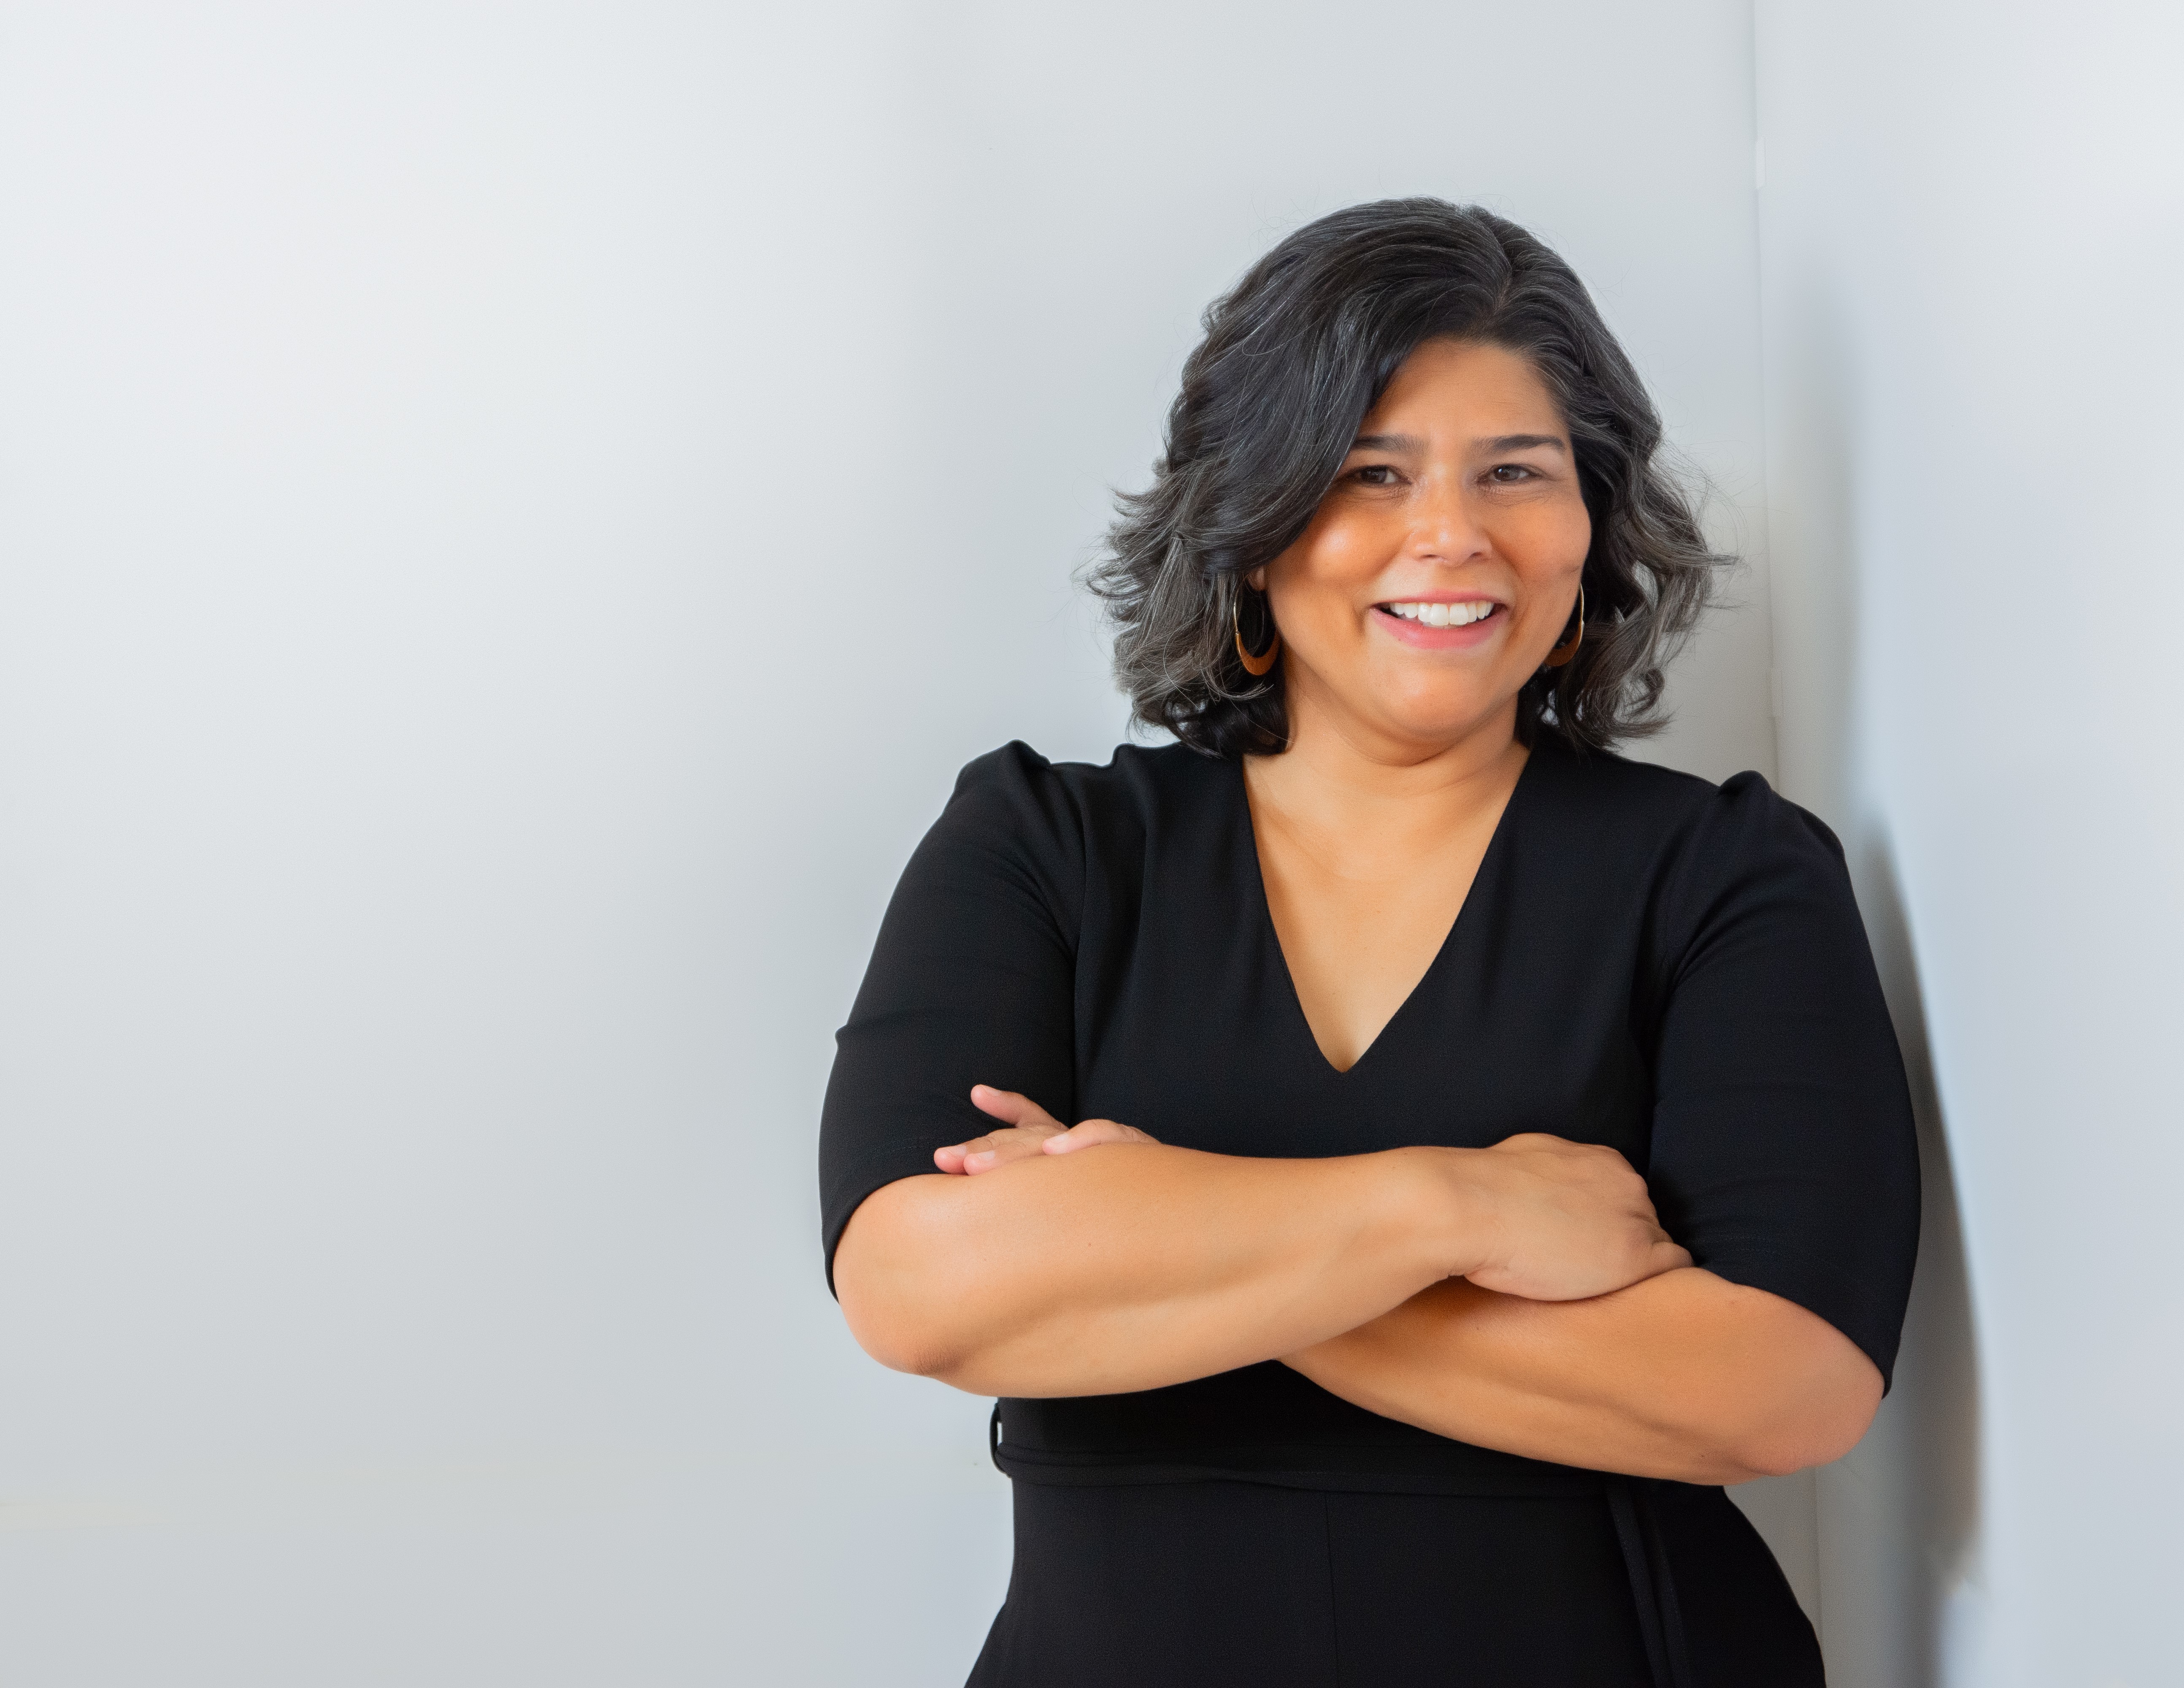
(1256, 580)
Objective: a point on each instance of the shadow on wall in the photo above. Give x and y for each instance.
(1898, 1518)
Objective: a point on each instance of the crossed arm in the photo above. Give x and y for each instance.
(1521, 1297)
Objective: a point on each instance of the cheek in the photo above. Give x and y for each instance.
(1549, 540)
(1325, 568)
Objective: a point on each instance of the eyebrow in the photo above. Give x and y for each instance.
(1499, 443)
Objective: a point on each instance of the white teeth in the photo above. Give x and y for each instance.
(1444, 615)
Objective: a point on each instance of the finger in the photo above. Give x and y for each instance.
(1007, 1146)
(1011, 1107)
(1667, 1257)
(1090, 1133)
(950, 1159)
(1019, 1143)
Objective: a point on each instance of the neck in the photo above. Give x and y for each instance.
(1338, 779)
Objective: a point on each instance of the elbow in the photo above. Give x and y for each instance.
(891, 1328)
(893, 1324)
(1810, 1427)
(903, 1344)
(1783, 1450)
(1785, 1392)
(888, 1277)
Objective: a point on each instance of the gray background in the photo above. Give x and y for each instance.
(510, 518)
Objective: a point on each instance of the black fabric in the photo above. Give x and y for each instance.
(1202, 1585)
(1644, 960)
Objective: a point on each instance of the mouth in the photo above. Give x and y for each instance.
(1425, 614)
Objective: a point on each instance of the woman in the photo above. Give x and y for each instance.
(1338, 1339)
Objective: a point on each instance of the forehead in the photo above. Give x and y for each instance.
(1467, 387)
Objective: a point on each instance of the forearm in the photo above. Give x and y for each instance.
(1133, 1267)
(1685, 1375)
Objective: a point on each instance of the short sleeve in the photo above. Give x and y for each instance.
(1784, 1154)
(971, 981)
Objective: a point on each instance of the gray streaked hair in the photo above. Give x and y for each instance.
(1293, 361)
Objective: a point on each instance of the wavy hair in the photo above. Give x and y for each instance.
(1293, 361)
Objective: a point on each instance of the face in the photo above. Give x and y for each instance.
(1443, 565)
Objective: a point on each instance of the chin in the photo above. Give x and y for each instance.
(1443, 726)
(1438, 709)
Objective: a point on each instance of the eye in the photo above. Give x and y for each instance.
(1375, 475)
(1512, 474)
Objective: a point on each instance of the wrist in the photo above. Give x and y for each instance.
(1451, 1210)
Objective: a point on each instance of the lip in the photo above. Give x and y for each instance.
(1422, 637)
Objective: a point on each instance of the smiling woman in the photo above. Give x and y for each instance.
(1255, 442)
(1486, 1146)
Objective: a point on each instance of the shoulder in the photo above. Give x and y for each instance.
(1641, 806)
(1054, 816)
(1017, 790)
(1683, 846)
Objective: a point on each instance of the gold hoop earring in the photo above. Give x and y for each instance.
(1254, 666)
(1563, 653)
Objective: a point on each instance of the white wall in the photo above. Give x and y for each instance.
(512, 517)
(1973, 224)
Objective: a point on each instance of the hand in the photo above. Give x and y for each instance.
(1030, 1130)
(1556, 1221)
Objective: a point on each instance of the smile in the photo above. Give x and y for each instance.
(1441, 615)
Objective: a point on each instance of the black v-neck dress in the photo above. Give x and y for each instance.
(1644, 959)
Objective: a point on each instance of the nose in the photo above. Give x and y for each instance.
(1445, 526)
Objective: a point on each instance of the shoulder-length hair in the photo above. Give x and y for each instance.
(1293, 361)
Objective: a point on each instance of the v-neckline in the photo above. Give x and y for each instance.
(1271, 934)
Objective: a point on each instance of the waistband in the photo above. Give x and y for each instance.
(1455, 1471)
